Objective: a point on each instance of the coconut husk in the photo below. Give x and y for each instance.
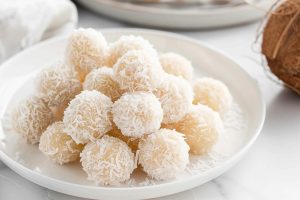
(281, 43)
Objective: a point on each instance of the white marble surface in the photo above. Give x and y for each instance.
(270, 170)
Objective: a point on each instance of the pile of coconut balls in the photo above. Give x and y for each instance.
(121, 106)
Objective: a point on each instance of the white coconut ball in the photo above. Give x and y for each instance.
(86, 50)
(108, 161)
(58, 145)
(31, 117)
(212, 93)
(127, 43)
(137, 114)
(88, 116)
(58, 85)
(103, 80)
(163, 154)
(177, 65)
(201, 127)
(176, 97)
(138, 71)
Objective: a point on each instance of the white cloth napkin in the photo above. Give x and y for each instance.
(25, 22)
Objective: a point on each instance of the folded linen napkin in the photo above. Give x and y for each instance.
(25, 22)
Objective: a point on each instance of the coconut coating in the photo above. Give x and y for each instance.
(102, 80)
(137, 114)
(108, 161)
(176, 97)
(86, 50)
(127, 43)
(138, 71)
(163, 154)
(130, 141)
(58, 145)
(177, 65)
(212, 93)
(88, 116)
(58, 85)
(201, 127)
(31, 117)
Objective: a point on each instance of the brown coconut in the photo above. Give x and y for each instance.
(281, 43)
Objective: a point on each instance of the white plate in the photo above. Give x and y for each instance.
(16, 77)
(175, 18)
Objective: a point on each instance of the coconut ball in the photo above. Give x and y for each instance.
(127, 43)
(102, 80)
(163, 154)
(201, 127)
(137, 113)
(177, 65)
(58, 145)
(138, 71)
(130, 141)
(88, 116)
(108, 161)
(176, 97)
(58, 85)
(31, 118)
(86, 50)
(212, 93)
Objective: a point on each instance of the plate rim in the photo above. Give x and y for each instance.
(54, 184)
(163, 11)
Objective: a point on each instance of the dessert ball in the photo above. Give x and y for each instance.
(127, 43)
(138, 71)
(58, 85)
(88, 116)
(212, 93)
(177, 65)
(108, 161)
(86, 50)
(176, 97)
(31, 118)
(102, 80)
(163, 154)
(137, 113)
(130, 141)
(201, 127)
(58, 145)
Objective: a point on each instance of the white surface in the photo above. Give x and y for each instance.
(47, 19)
(190, 18)
(29, 162)
(270, 170)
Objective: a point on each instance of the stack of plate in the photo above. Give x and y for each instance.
(178, 14)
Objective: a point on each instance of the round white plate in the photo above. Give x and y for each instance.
(176, 18)
(16, 77)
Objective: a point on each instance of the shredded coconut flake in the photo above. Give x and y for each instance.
(127, 43)
(59, 146)
(57, 85)
(138, 71)
(88, 116)
(164, 154)
(108, 161)
(31, 118)
(137, 114)
(212, 93)
(176, 96)
(86, 50)
(103, 80)
(177, 65)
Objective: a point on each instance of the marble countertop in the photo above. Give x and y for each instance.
(270, 170)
